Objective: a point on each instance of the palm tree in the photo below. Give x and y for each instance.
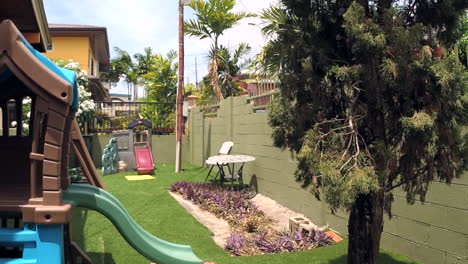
(212, 19)
(144, 64)
(122, 67)
(132, 70)
(229, 66)
(276, 20)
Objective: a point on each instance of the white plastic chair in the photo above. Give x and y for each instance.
(224, 150)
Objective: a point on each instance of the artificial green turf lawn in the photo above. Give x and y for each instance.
(155, 210)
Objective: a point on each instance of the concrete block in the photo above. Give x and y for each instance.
(250, 130)
(267, 163)
(245, 110)
(421, 253)
(253, 119)
(295, 222)
(448, 241)
(289, 167)
(337, 223)
(265, 151)
(307, 227)
(312, 208)
(259, 140)
(409, 229)
(432, 214)
(341, 213)
(457, 220)
(240, 100)
(452, 259)
(267, 129)
(449, 195)
(463, 180)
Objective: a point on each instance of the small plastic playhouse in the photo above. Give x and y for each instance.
(36, 196)
(134, 146)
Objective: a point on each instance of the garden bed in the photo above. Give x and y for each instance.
(251, 231)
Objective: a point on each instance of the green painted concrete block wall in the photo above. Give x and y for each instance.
(435, 232)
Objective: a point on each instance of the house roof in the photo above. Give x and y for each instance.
(97, 34)
(29, 17)
(74, 27)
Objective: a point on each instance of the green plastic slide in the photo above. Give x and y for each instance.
(153, 248)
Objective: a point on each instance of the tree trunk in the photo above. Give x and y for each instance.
(365, 228)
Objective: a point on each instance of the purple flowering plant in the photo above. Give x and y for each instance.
(252, 233)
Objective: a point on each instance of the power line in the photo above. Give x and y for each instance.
(196, 54)
(244, 6)
(196, 72)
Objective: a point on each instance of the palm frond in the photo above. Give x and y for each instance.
(243, 50)
(274, 19)
(194, 28)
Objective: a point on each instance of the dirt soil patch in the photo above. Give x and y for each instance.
(276, 211)
(220, 228)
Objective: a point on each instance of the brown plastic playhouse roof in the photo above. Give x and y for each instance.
(38, 192)
(19, 59)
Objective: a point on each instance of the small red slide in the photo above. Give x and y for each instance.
(144, 159)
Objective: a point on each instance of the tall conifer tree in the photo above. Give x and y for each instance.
(371, 99)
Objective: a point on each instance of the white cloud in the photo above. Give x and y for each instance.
(248, 31)
(134, 25)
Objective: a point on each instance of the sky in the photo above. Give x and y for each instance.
(134, 25)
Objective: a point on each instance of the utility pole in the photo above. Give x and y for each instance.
(196, 73)
(180, 91)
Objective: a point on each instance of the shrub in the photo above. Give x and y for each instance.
(232, 206)
(235, 243)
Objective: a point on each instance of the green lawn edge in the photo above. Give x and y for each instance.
(150, 204)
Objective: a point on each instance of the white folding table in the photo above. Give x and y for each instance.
(230, 161)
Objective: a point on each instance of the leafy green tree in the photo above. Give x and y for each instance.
(276, 22)
(190, 88)
(229, 65)
(161, 82)
(371, 100)
(463, 42)
(122, 67)
(213, 18)
(131, 69)
(158, 74)
(144, 62)
(207, 95)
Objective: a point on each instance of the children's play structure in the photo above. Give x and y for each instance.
(142, 146)
(36, 196)
(134, 146)
(110, 158)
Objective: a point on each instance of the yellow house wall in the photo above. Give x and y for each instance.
(74, 48)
